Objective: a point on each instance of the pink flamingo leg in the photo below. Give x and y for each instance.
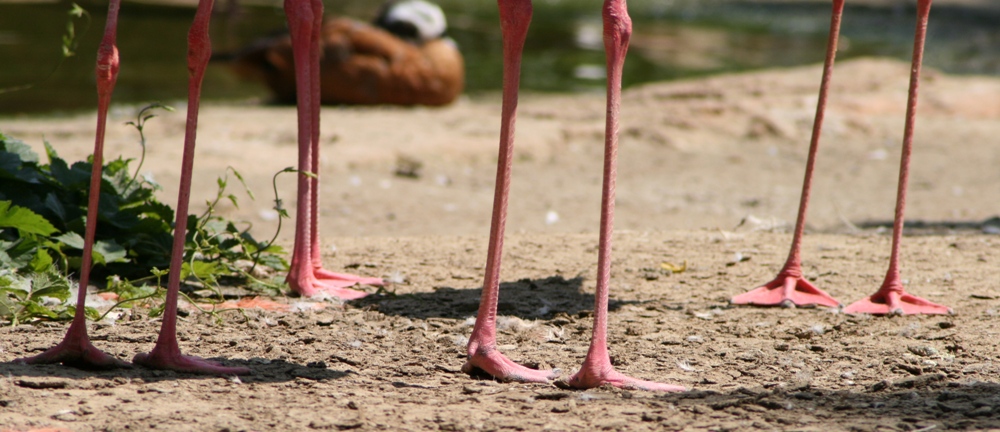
(891, 297)
(515, 17)
(167, 354)
(76, 349)
(306, 275)
(790, 287)
(596, 369)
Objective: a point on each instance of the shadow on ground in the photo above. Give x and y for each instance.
(58, 376)
(923, 402)
(526, 299)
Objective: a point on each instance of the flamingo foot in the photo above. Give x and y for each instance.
(310, 286)
(175, 361)
(78, 353)
(500, 367)
(323, 274)
(893, 302)
(596, 376)
(310, 281)
(787, 290)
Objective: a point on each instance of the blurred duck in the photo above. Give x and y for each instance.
(402, 58)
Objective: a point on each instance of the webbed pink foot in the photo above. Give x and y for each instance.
(787, 290)
(892, 302)
(77, 352)
(596, 376)
(307, 284)
(491, 361)
(326, 275)
(175, 361)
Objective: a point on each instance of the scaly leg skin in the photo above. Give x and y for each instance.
(515, 17)
(167, 354)
(76, 349)
(892, 298)
(790, 288)
(306, 275)
(597, 370)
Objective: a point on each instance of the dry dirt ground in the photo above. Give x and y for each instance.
(697, 158)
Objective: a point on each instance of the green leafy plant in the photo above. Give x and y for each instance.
(133, 232)
(43, 217)
(44, 292)
(41, 296)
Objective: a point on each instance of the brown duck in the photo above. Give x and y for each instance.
(402, 58)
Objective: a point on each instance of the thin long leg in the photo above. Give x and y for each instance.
(891, 297)
(314, 111)
(515, 17)
(597, 369)
(167, 354)
(76, 349)
(790, 287)
(306, 275)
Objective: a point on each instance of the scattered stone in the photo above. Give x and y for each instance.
(408, 167)
(919, 381)
(923, 350)
(42, 384)
(984, 410)
(552, 396)
(66, 416)
(912, 369)
(564, 407)
(881, 385)
(804, 395)
(775, 404)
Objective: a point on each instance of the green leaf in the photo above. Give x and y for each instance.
(42, 261)
(49, 285)
(110, 251)
(23, 220)
(18, 147)
(13, 166)
(71, 239)
(16, 294)
(53, 204)
(50, 151)
(104, 252)
(7, 306)
(76, 11)
(34, 310)
(18, 254)
(203, 270)
(243, 182)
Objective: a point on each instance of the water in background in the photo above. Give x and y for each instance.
(672, 39)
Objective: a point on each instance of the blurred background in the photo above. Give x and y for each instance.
(673, 39)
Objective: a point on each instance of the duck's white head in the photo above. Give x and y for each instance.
(416, 20)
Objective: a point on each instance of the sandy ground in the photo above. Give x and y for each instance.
(697, 159)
